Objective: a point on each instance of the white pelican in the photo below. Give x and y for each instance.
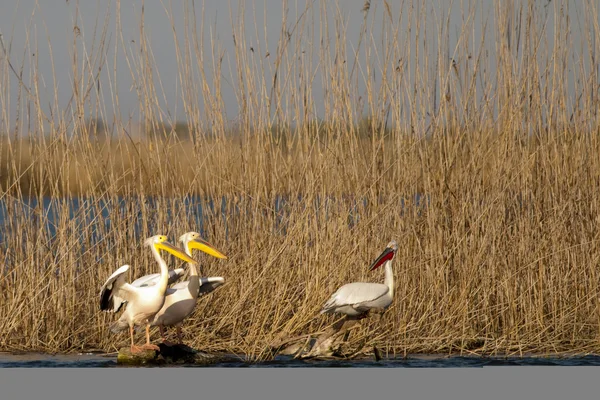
(356, 299)
(180, 300)
(142, 302)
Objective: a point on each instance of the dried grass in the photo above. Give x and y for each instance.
(490, 189)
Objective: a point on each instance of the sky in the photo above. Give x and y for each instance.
(42, 32)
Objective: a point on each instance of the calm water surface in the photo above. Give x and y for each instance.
(39, 360)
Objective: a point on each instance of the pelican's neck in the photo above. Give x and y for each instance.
(194, 282)
(163, 280)
(389, 277)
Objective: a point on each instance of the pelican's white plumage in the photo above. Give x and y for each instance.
(358, 298)
(142, 302)
(152, 279)
(144, 281)
(180, 300)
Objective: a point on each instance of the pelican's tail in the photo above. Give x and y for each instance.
(329, 305)
(326, 310)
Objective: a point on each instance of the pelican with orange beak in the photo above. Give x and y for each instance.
(142, 303)
(356, 299)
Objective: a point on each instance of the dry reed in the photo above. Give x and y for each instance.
(488, 184)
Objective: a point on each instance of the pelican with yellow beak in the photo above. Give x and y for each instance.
(142, 302)
(181, 299)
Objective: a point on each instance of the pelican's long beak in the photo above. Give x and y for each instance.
(386, 255)
(206, 247)
(176, 251)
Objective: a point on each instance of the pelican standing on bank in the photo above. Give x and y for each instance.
(180, 300)
(142, 302)
(356, 299)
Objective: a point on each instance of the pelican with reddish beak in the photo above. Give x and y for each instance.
(356, 299)
(142, 303)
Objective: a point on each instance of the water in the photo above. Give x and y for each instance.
(40, 360)
(94, 214)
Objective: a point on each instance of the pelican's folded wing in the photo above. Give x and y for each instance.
(354, 295)
(207, 284)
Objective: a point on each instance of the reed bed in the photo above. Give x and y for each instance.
(488, 181)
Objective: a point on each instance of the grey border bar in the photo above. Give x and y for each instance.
(513, 382)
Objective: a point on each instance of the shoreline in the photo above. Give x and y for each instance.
(413, 356)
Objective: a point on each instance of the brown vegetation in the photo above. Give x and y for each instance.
(499, 252)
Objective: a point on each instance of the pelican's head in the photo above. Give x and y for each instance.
(387, 255)
(155, 239)
(192, 240)
(160, 243)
